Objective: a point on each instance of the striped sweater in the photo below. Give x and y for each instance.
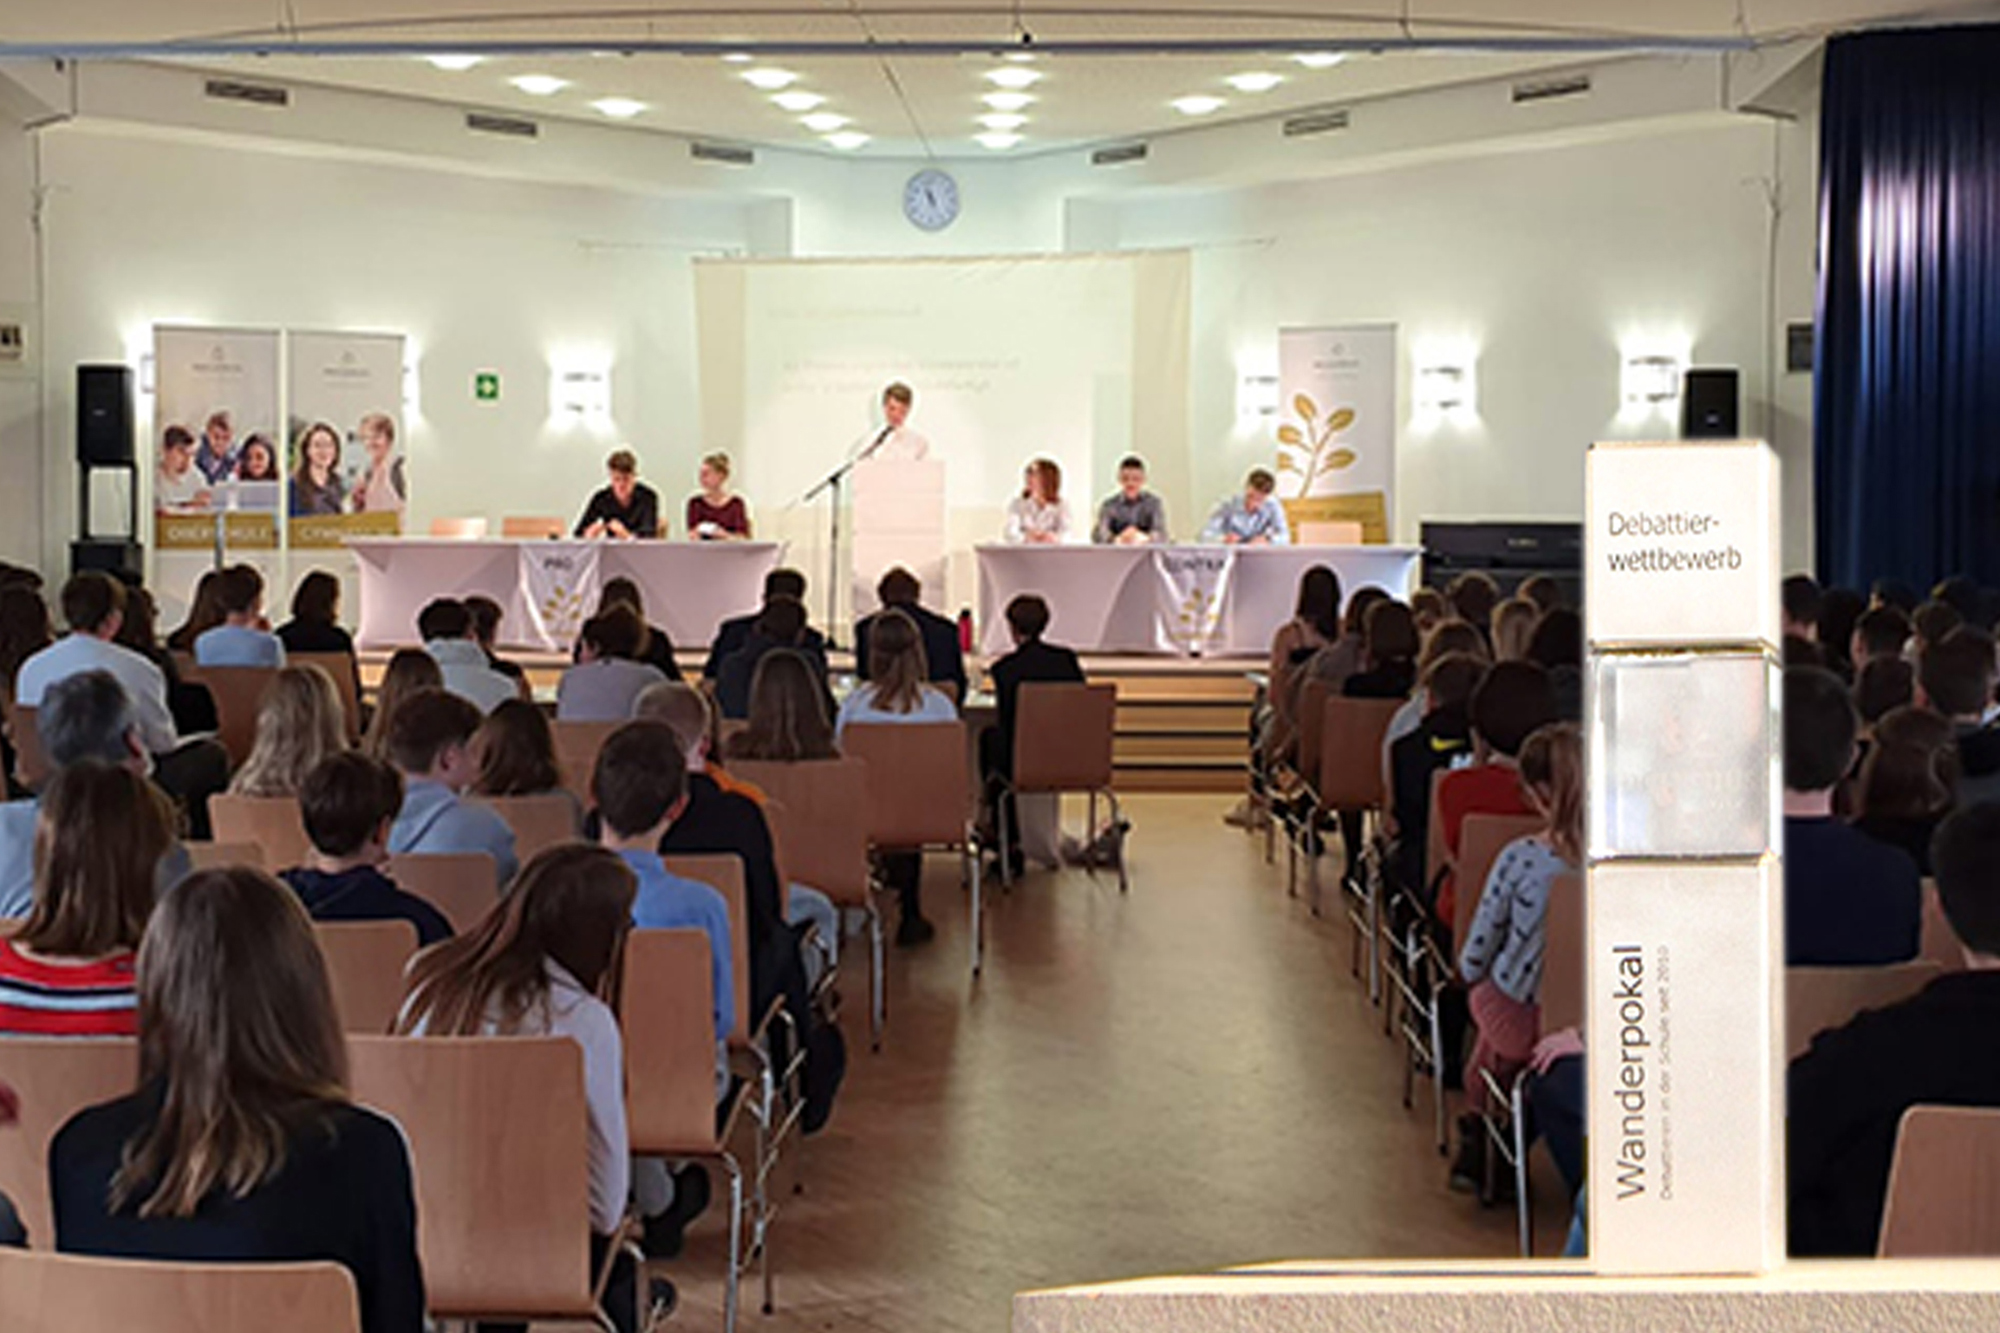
(42, 999)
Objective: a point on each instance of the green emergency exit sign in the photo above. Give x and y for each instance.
(486, 386)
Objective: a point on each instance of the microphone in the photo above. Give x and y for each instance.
(875, 443)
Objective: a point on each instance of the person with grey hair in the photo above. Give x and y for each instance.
(87, 716)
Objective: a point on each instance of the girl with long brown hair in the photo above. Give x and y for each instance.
(300, 722)
(240, 1142)
(410, 670)
(788, 722)
(896, 688)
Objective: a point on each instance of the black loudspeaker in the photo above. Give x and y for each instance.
(124, 560)
(1708, 404)
(104, 416)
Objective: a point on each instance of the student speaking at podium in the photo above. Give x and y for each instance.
(895, 440)
(624, 509)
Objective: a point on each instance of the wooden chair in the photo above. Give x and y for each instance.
(273, 823)
(346, 676)
(31, 762)
(1820, 999)
(577, 744)
(1302, 779)
(1943, 1200)
(464, 886)
(56, 1077)
(1350, 780)
(499, 1137)
(1064, 736)
(211, 855)
(1481, 839)
(819, 819)
(1330, 534)
(666, 1009)
(1563, 956)
(364, 963)
(461, 529)
(533, 527)
(51, 1293)
(920, 798)
(239, 693)
(1940, 942)
(539, 822)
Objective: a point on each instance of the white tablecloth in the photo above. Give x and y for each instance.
(547, 587)
(1216, 601)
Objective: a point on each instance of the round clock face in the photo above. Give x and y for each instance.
(930, 199)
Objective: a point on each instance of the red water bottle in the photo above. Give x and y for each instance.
(965, 629)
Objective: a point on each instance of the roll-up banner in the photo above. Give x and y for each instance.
(1337, 426)
(344, 470)
(216, 457)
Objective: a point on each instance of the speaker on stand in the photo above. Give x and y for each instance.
(106, 442)
(1710, 399)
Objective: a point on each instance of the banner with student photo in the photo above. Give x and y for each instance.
(344, 466)
(215, 433)
(1337, 437)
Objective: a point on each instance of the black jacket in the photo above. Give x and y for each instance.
(732, 634)
(941, 650)
(641, 518)
(1032, 662)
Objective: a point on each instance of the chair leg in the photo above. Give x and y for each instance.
(978, 911)
(734, 1277)
(1118, 823)
(1523, 1205)
(877, 997)
(1437, 1074)
(1006, 837)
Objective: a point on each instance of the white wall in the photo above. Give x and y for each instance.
(20, 387)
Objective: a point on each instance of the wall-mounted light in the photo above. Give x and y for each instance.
(1651, 382)
(1257, 396)
(412, 404)
(1447, 389)
(149, 373)
(581, 391)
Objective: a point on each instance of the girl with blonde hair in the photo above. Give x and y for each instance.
(300, 722)
(713, 514)
(408, 672)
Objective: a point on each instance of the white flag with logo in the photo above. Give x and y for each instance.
(1193, 584)
(560, 580)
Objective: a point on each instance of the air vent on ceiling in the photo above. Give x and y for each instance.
(1118, 154)
(234, 90)
(1547, 90)
(511, 126)
(728, 154)
(1314, 122)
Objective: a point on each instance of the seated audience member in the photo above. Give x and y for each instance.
(1131, 515)
(1389, 654)
(1333, 664)
(788, 722)
(1850, 901)
(1254, 518)
(1556, 645)
(782, 625)
(13, 1235)
(1896, 593)
(300, 722)
(241, 639)
(486, 617)
(1038, 516)
(1965, 596)
(1429, 607)
(1315, 624)
(1032, 661)
(24, 631)
(733, 633)
(944, 661)
(1882, 631)
(1799, 602)
(713, 514)
(409, 670)
(350, 803)
(1955, 680)
(1512, 625)
(514, 751)
(204, 613)
(190, 701)
(1847, 1094)
(1839, 610)
(240, 1143)
(1450, 635)
(430, 739)
(1473, 595)
(656, 650)
(1441, 740)
(1501, 955)
(1798, 652)
(1512, 702)
(1544, 592)
(67, 970)
(1930, 623)
(94, 606)
(1906, 783)
(315, 623)
(446, 629)
(608, 676)
(1881, 685)
(624, 509)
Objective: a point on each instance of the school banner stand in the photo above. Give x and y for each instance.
(215, 453)
(1337, 431)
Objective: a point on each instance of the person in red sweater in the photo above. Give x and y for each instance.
(1511, 703)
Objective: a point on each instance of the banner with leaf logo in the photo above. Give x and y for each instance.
(1336, 436)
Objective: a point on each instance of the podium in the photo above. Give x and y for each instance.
(899, 519)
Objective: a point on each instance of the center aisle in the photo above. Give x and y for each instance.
(1176, 1082)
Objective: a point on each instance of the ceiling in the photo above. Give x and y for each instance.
(910, 75)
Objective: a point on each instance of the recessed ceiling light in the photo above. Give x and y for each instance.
(1013, 76)
(1003, 122)
(1320, 59)
(769, 79)
(797, 100)
(1007, 101)
(1200, 104)
(847, 140)
(738, 58)
(1256, 81)
(998, 142)
(619, 108)
(455, 64)
(1020, 57)
(539, 85)
(823, 122)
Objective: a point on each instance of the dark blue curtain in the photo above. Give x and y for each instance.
(1907, 407)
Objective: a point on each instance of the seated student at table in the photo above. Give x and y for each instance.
(713, 514)
(1031, 661)
(1133, 515)
(1039, 516)
(445, 626)
(624, 509)
(731, 634)
(658, 650)
(241, 1144)
(350, 802)
(1254, 518)
(241, 640)
(608, 675)
(899, 591)
(430, 743)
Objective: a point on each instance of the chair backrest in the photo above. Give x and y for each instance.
(1312, 696)
(539, 527)
(210, 855)
(1436, 855)
(1563, 956)
(666, 1011)
(462, 885)
(1481, 839)
(56, 1078)
(539, 822)
(724, 874)
(239, 693)
(577, 744)
(1330, 533)
(346, 677)
(819, 819)
(63, 1293)
(1940, 942)
(1064, 736)
(1350, 752)
(1943, 1200)
(465, 528)
(499, 1136)
(271, 822)
(1820, 999)
(364, 963)
(31, 762)
(919, 788)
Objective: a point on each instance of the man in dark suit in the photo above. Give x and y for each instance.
(734, 633)
(1031, 661)
(782, 624)
(900, 591)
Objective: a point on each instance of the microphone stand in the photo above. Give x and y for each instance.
(833, 484)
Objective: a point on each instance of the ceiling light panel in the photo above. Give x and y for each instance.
(1013, 76)
(847, 140)
(798, 100)
(1003, 122)
(998, 142)
(769, 79)
(619, 108)
(824, 122)
(1008, 101)
(455, 64)
(1199, 104)
(539, 85)
(1320, 59)
(1255, 81)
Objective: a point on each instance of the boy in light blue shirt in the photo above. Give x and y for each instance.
(430, 739)
(240, 640)
(1254, 518)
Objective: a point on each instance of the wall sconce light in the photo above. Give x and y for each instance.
(1652, 382)
(1257, 396)
(412, 404)
(582, 392)
(1446, 390)
(149, 376)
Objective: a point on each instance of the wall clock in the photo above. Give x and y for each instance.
(930, 199)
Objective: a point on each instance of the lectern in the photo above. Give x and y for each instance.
(899, 519)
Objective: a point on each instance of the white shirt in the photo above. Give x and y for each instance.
(178, 492)
(238, 646)
(468, 674)
(604, 690)
(1028, 518)
(860, 706)
(902, 445)
(76, 653)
